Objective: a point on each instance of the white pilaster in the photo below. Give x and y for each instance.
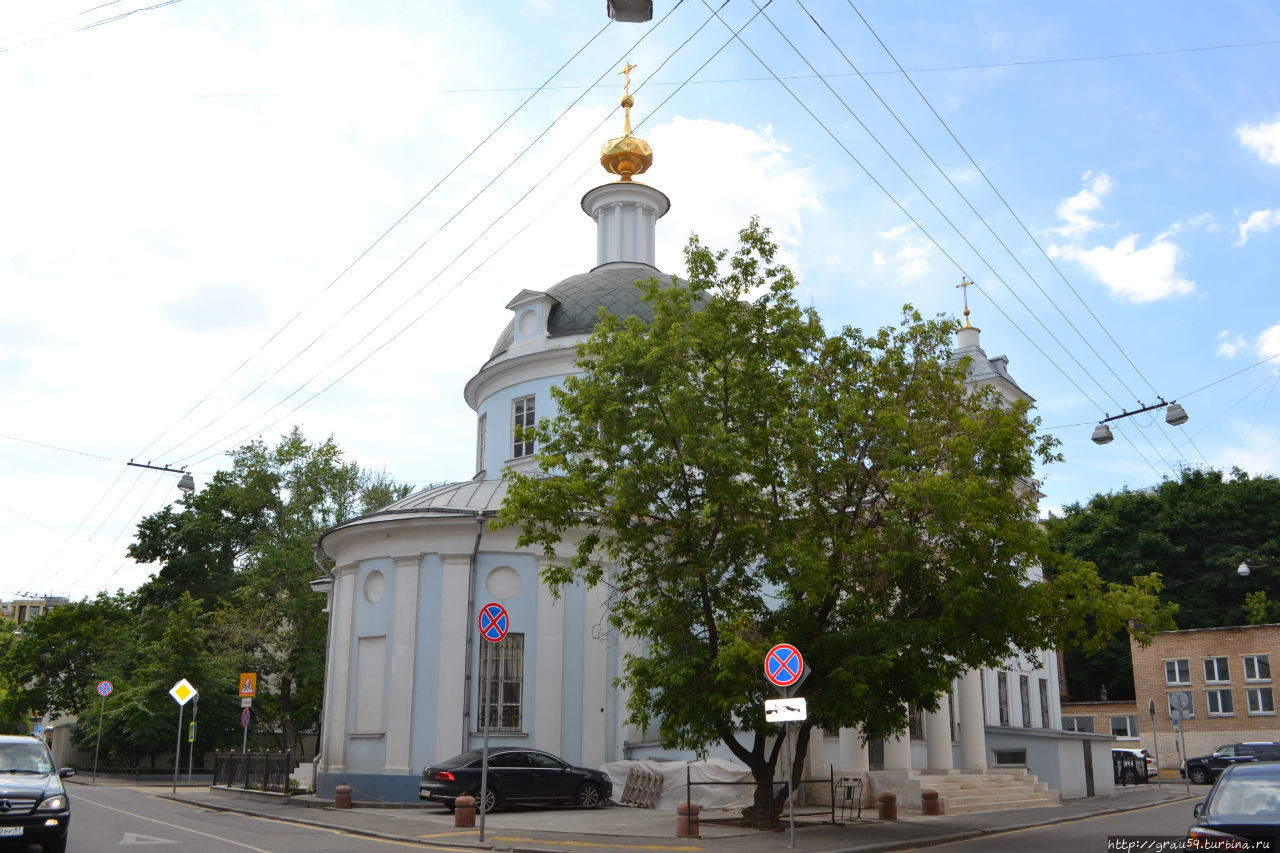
(404, 647)
(595, 677)
(549, 664)
(937, 732)
(897, 751)
(451, 646)
(973, 735)
(343, 604)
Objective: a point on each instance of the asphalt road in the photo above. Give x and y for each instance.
(123, 818)
(1085, 836)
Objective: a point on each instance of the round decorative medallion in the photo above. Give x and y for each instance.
(528, 322)
(375, 584)
(503, 582)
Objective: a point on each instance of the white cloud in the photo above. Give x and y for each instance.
(1230, 343)
(1260, 221)
(1075, 210)
(877, 257)
(1263, 139)
(1269, 342)
(910, 259)
(1139, 275)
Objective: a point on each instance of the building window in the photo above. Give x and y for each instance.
(1077, 724)
(1216, 670)
(1002, 693)
(1180, 700)
(1260, 700)
(1257, 667)
(480, 428)
(1177, 671)
(915, 723)
(1219, 702)
(522, 420)
(1024, 689)
(1124, 727)
(501, 698)
(1044, 703)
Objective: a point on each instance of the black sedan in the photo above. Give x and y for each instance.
(1243, 806)
(515, 776)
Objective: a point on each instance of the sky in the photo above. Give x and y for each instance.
(222, 218)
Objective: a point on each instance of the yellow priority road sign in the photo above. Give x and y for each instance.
(248, 684)
(182, 692)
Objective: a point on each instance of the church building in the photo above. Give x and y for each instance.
(408, 676)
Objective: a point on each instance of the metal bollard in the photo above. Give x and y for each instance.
(929, 802)
(342, 796)
(687, 820)
(887, 806)
(464, 811)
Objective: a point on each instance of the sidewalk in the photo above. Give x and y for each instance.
(552, 830)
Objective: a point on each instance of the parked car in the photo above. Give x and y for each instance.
(1203, 769)
(1243, 805)
(515, 776)
(1139, 766)
(33, 801)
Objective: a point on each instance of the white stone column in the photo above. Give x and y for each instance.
(853, 752)
(897, 751)
(404, 647)
(937, 733)
(595, 676)
(973, 735)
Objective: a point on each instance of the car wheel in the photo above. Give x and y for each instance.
(490, 799)
(1129, 776)
(451, 806)
(1198, 776)
(589, 795)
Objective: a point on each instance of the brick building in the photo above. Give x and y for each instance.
(1220, 676)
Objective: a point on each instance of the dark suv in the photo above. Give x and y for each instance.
(33, 800)
(1205, 768)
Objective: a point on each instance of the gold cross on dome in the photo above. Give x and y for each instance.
(964, 286)
(626, 70)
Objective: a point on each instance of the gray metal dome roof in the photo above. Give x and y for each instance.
(579, 299)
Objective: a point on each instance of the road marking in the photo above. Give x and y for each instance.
(174, 826)
(560, 842)
(135, 838)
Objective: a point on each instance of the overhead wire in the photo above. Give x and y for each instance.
(467, 157)
(960, 267)
(1256, 418)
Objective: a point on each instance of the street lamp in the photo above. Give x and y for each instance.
(631, 11)
(1174, 415)
(186, 483)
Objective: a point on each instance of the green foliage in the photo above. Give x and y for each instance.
(232, 595)
(1257, 609)
(1193, 532)
(739, 477)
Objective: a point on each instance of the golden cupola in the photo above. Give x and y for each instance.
(627, 155)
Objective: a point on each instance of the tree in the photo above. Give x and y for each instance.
(1193, 531)
(61, 655)
(737, 477)
(248, 540)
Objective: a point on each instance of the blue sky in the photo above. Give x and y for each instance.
(220, 218)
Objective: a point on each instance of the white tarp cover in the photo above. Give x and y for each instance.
(716, 771)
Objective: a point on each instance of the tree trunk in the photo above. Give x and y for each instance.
(286, 713)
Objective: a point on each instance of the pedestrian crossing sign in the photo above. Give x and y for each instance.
(248, 683)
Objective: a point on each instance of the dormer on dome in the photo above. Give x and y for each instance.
(532, 310)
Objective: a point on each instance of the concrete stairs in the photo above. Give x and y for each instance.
(964, 793)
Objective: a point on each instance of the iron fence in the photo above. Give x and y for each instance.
(253, 771)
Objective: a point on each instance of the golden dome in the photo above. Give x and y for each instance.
(627, 155)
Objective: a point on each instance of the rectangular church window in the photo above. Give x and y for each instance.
(522, 419)
(502, 683)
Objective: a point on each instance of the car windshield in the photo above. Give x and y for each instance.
(1246, 795)
(24, 758)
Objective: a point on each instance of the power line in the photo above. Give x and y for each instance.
(926, 69)
(357, 260)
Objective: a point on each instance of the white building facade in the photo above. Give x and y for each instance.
(405, 660)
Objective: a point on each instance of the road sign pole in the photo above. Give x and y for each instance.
(487, 707)
(177, 749)
(101, 707)
(244, 740)
(1155, 739)
(791, 794)
(191, 741)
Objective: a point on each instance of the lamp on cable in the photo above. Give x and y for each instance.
(631, 11)
(186, 483)
(1174, 415)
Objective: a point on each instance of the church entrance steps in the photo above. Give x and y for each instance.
(967, 792)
